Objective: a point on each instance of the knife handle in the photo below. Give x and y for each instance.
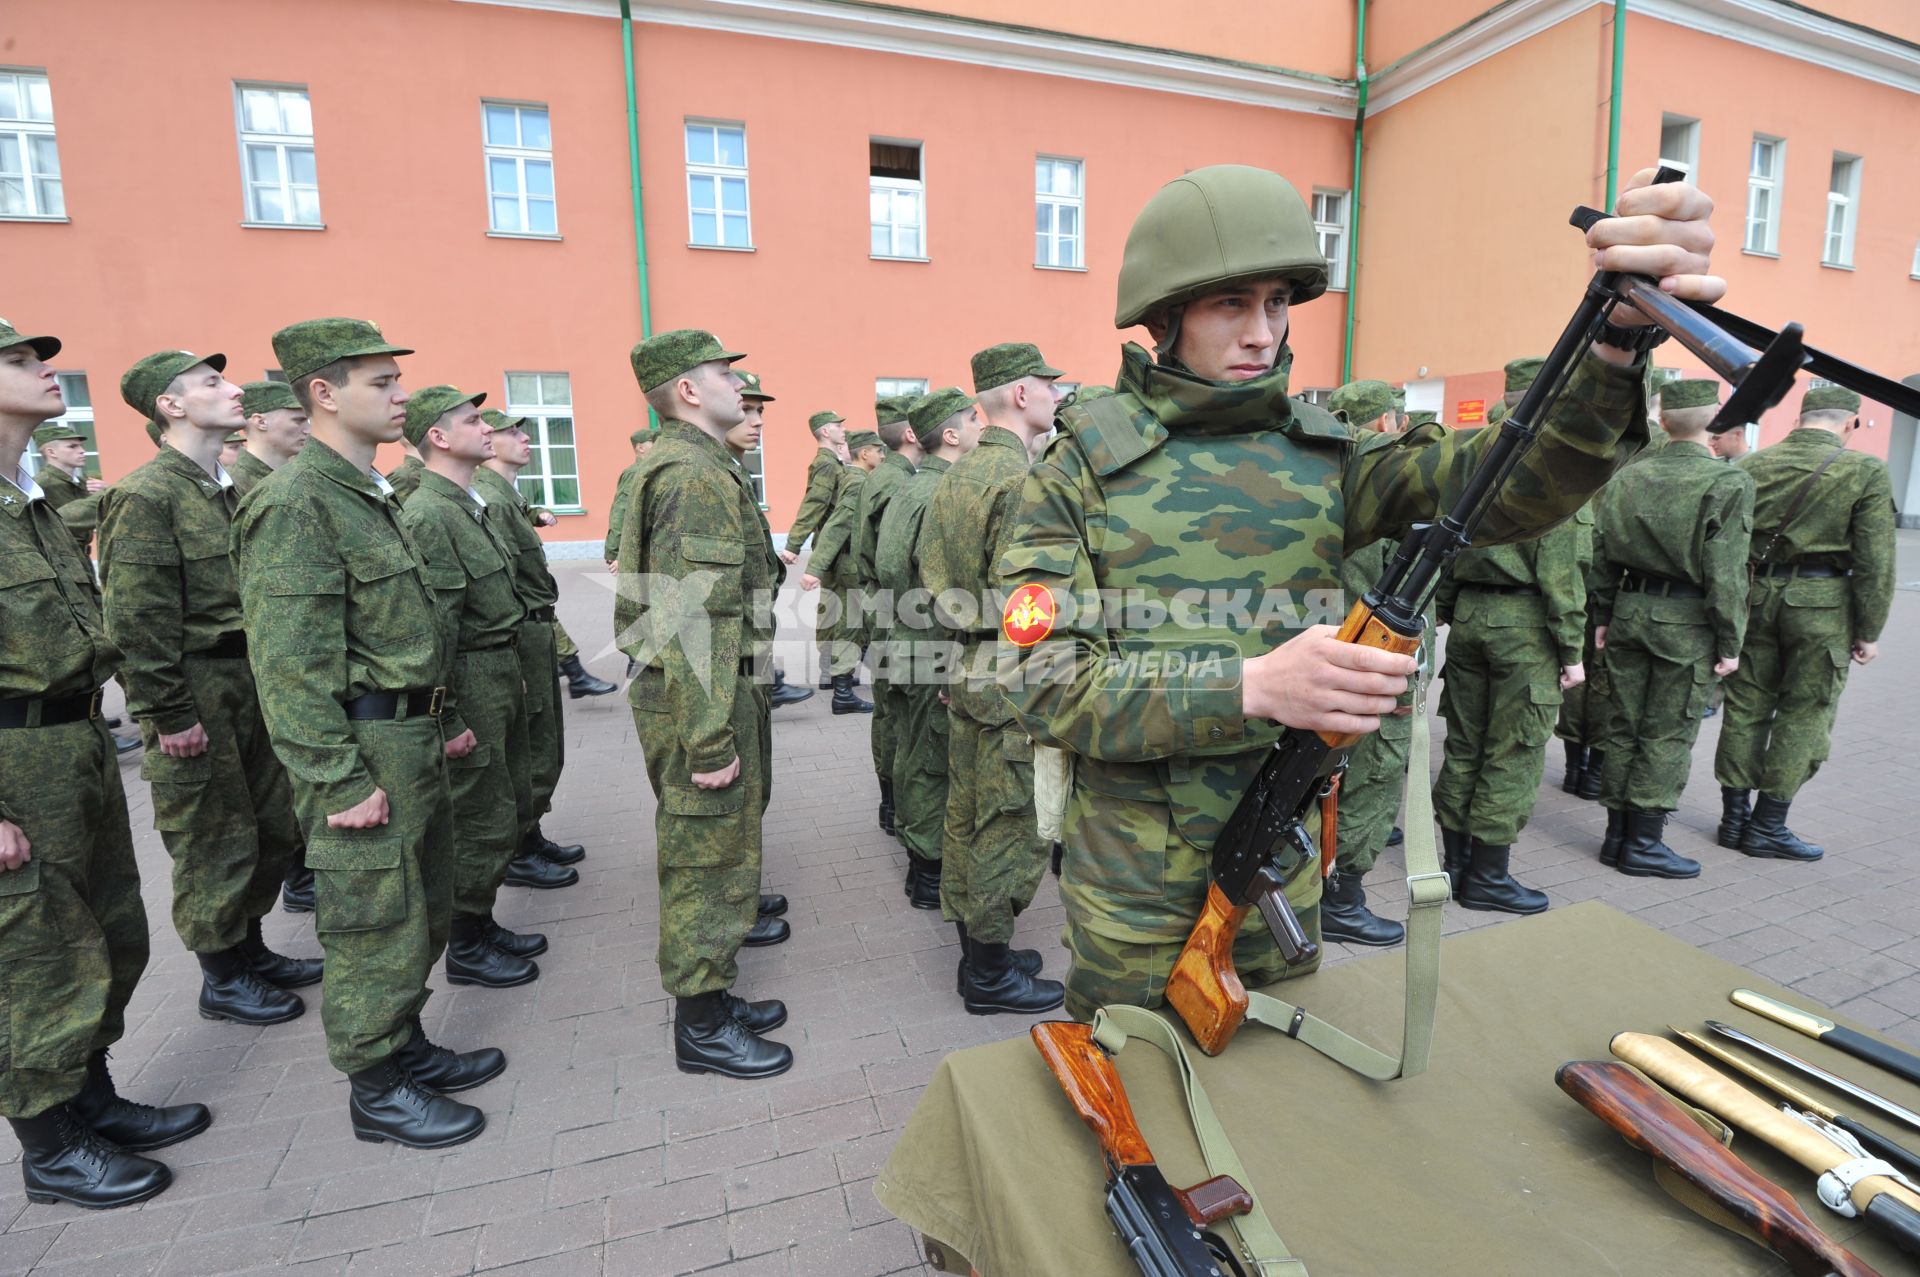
(1891, 1058)
(1880, 1146)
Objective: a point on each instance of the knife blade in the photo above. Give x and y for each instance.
(1902, 1064)
(1861, 1093)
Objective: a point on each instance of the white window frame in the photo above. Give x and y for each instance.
(1688, 161)
(720, 173)
(80, 418)
(1774, 184)
(1048, 200)
(520, 155)
(1844, 204)
(757, 472)
(17, 135)
(917, 186)
(1915, 272)
(283, 145)
(1334, 229)
(887, 387)
(540, 411)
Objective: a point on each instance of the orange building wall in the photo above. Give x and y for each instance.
(1396, 28)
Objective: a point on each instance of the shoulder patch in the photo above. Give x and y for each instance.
(1029, 615)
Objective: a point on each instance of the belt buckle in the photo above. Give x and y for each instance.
(93, 704)
(436, 702)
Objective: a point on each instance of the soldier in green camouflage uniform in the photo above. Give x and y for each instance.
(220, 798)
(63, 476)
(695, 608)
(991, 854)
(641, 441)
(1822, 568)
(816, 504)
(1200, 473)
(831, 568)
(73, 931)
(404, 479)
(352, 663)
(903, 455)
(276, 431)
(922, 658)
(1671, 605)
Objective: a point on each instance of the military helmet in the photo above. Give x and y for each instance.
(1211, 227)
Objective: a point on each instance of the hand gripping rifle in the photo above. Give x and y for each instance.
(1265, 843)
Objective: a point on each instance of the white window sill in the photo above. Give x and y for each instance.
(523, 235)
(1078, 270)
(33, 217)
(564, 511)
(1336, 288)
(722, 248)
(889, 257)
(285, 226)
(1755, 252)
(1836, 266)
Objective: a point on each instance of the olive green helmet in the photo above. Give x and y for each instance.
(1210, 227)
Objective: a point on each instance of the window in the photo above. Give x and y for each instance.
(887, 387)
(896, 200)
(519, 147)
(754, 462)
(1680, 145)
(1915, 272)
(1843, 210)
(276, 155)
(1059, 207)
(277, 374)
(1763, 194)
(717, 215)
(552, 476)
(30, 183)
(79, 415)
(1330, 228)
(1317, 397)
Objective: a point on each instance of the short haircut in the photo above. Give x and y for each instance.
(334, 374)
(895, 433)
(662, 400)
(1687, 421)
(1827, 417)
(998, 401)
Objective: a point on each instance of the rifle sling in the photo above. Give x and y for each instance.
(1800, 496)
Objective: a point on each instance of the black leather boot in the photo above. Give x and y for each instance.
(296, 893)
(1027, 961)
(472, 960)
(1344, 914)
(530, 869)
(1490, 888)
(546, 848)
(772, 904)
(991, 984)
(521, 944)
(785, 693)
(1643, 853)
(276, 969)
(1576, 767)
(1616, 834)
(844, 701)
(1768, 837)
(389, 1103)
(62, 1160)
(758, 1017)
(133, 1126)
(445, 1070)
(230, 989)
(709, 1038)
(767, 931)
(1594, 773)
(1457, 857)
(1735, 812)
(886, 807)
(1396, 837)
(580, 682)
(923, 885)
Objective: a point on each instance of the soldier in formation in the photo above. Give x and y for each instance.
(833, 570)
(816, 505)
(889, 703)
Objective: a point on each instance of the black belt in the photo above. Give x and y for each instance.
(1490, 588)
(1800, 569)
(229, 646)
(50, 711)
(1647, 583)
(397, 705)
(540, 614)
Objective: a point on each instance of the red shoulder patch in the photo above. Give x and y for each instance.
(1029, 616)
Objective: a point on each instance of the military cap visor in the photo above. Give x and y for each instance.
(750, 387)
(429, 405)
(664, 356)
(43, 347)
(500, 420)
(820, 419)
(1830, 399)
(312, 344)
(863, 439)
(54, 432)
(1008, 362)
(1692, 393)
(147, 380)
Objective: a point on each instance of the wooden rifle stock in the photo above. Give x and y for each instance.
(1653, 1123)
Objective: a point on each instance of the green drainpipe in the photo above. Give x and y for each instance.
(633, 168)
(1353, 199)
(1613, 104)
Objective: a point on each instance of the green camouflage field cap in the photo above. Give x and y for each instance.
(1693, 393)
(1359, 402)
(1497, 413)
(429, 405)
(149, 379)
(54, 432)
(501, 421)
(891, 408)
(312, 344)
(641, 435)
(750, 387)
(44, 347)
(236, 436)
(1009, 362)
(820, 419)
(1830, 399)
(862, 439)
(265, 396)
(930, 411)
(1521, 372)
(1420, 417)
(155, 433)
(664, 356)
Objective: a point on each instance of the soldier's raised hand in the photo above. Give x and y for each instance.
(1660, 231)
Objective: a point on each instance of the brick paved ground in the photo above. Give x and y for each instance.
(600, 1158)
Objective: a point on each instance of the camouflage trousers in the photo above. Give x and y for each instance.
(708, 839)
(992, 858)
(225, 815)
(837, 629)
(1583, 709)
(1775, 730)
(490, 788)
(889, 709)
(1500, 695)
(563, 644)
(546, 722)
(383, 896)
(73, 930)
(1662, 672)
(920, 770)
(1370, 794)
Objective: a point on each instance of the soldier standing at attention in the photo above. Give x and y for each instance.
(1822, 566)
(405, 478)
(346, 642)
(1200, 472)
(509, 515)
(221, 800)
(903, 455)
(1729, 445)
(73, 930)
(831, 569)
(63, 472)
(823, 483)
(276, 430)
(700, 714)
(641, 441)
(1671, 604)
(991, 855)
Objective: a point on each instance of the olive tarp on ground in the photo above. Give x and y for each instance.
(1480, 1167)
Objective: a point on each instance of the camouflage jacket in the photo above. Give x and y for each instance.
(68, 497)
(61, 486)
(165, 537)
(823, 482)
(53, 641)
(902, 546)
(875, 494)
(832, 544)
(617, 513)
(468, 567)
(1216, 517)
(1686, 516)
(1845, 522)
(509, 514)
(405, 478)
(696, 592)
(776, 566)
(248, 470)
(1551, 574)
(964, 534)
(337, 604)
